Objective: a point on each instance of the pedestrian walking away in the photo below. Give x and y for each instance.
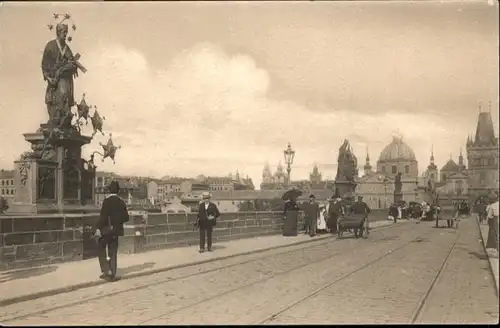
(361, 208)
(108, 229)
(208, 213)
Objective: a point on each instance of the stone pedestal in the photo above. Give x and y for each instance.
(32, 196)
(398, 197)
(345, 188)
(54, 180)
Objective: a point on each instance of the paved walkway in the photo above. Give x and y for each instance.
(492, 254)
(26, 284)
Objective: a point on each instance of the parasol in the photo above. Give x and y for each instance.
(291, 193)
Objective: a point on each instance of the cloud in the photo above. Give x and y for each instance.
(208, 111)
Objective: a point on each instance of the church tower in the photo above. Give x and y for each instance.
(368, 167)
(266, 174)
(461, 164)
(482, 158)
(432, 169)
(315, 176)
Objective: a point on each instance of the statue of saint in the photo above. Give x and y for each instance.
(59, 67)
(397, 183)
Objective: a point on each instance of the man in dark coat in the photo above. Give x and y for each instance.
(208, 213)
(361, 208)
(311, 215)
(393, 211)
(481, 210)
(108, 228)
(334, 212)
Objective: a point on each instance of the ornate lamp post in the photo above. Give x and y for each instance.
(289, 155)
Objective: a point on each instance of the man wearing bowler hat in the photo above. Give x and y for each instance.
(113, 215)
(311, 215)
(208, 213)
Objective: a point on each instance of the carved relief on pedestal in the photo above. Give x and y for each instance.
(24, 168)
(46, 183)
(71, 172)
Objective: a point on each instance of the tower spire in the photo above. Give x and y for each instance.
(461, 160)
(367, 168)
(432, 154)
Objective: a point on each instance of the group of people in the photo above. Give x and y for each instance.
(331, 213)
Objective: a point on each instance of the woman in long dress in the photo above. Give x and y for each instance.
(321, 223)
(492, 241)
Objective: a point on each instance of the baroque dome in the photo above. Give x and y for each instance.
(397, 150)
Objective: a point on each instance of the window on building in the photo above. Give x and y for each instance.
(407, 169)
(482, 177)
(443, 177)
(3, 182)
(3, 191)
(394, 169)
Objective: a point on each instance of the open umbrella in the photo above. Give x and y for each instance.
(293, 192)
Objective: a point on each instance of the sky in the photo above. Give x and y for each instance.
(207, 87)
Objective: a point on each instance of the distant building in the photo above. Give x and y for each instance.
(276, 181)
(7, 187)
(279, 180)
(175, 206)
(377, 187)
(133, 190)
(483, 158)
(229, 183)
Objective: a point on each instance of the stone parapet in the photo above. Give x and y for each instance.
(27, 241)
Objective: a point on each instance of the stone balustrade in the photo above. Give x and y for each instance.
(27, 241)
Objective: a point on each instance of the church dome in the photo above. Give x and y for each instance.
(397, 150)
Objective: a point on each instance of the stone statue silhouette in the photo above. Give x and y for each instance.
(397, 183)
(59, 67)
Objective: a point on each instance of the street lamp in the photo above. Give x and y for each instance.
(289, 155)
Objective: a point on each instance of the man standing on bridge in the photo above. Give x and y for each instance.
(361, 208)
(311, 215)
(113, 215)
(208, 213)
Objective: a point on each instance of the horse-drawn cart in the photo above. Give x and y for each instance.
(354, 223)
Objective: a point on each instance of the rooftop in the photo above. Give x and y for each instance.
(6, 174)
(450, 166)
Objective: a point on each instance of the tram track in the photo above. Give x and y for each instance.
(417, 311)
(283, 273)
(314, 244)
(423, 300)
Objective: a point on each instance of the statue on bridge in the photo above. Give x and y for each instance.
(398, 184)
(59, 68)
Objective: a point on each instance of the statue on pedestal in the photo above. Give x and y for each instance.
(397, 183)
(398, 195)
(54, 176)
(347, 170)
